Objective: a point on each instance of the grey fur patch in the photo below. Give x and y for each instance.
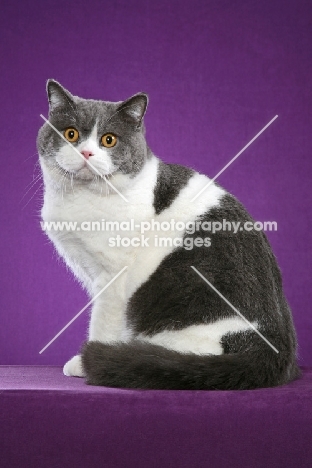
(241, 266)
(171, 178)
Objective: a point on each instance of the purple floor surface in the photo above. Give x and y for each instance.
(49, 420)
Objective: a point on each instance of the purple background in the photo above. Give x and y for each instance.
(216, 73)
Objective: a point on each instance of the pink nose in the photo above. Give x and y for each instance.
(87, 153)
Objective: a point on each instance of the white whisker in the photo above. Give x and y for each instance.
(31, 185)
(40, 186)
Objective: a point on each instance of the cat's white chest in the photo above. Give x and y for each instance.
(86, 242)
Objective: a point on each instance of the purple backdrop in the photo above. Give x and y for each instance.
(216, 72)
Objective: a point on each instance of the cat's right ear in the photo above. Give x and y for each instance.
(57, 95)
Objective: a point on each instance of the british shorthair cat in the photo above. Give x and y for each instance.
(177, 306)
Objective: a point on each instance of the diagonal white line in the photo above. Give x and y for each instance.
(86, 160)
(83, 309)
(233, 159)
(235, 310)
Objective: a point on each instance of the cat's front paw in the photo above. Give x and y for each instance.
(73, 367)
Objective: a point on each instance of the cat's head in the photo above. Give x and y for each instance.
(94, 138)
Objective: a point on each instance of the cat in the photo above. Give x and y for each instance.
(159, 324)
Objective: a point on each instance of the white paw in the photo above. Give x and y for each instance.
(73, 367)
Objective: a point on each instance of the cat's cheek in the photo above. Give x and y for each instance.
(105, 160)
(69, 160)
(101, 163)
(72, 165)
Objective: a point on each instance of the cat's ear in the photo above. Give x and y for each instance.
(134, 108)
(57, 95)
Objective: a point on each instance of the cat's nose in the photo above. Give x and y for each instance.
(86, 154)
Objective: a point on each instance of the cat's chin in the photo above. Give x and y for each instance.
(85, 174)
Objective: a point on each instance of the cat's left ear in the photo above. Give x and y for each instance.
(134, 108)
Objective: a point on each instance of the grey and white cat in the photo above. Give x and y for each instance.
(159, 325)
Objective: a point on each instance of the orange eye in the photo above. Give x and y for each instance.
(109, 140)
(71, 134)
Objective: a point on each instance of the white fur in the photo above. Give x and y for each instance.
(199, 339)
(73, 367)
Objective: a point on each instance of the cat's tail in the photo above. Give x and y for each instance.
(142, 365)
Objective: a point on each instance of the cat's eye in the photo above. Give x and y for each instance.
(109, 140)
(71, 134)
